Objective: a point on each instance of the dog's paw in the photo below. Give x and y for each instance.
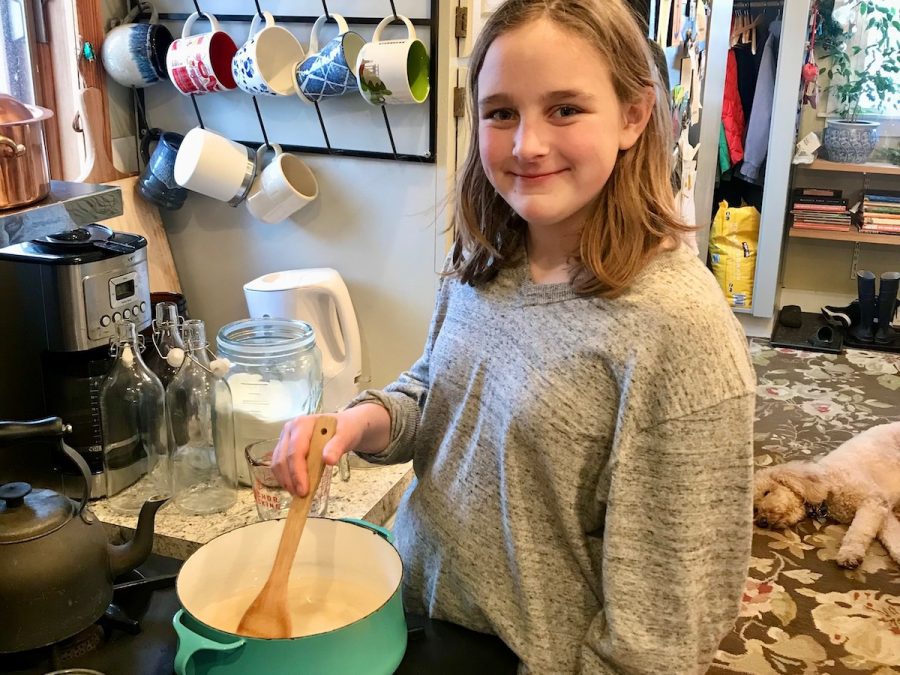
(849, 559)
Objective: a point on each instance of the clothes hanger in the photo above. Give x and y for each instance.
(753, 34)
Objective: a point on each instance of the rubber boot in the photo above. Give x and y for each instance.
(865, 283)
(887, 299)
(842, 316)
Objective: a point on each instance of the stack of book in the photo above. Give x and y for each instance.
(880, 212)
(820, 209)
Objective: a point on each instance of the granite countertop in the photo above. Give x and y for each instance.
(372, 493)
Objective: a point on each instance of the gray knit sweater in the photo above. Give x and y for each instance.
(583, 469)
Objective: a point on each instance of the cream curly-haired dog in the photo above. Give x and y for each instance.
(858, 483)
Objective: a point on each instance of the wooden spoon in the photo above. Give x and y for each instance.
(268, 615)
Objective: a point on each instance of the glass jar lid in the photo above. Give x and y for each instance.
(265, 338)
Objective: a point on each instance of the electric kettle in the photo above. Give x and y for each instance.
(320, 297)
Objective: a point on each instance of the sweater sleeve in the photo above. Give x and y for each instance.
(405, 398)
(676, 543)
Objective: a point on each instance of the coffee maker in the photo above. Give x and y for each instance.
(71, 288)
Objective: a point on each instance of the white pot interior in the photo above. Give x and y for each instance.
(342, 573)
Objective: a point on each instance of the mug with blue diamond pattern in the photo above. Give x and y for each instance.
(329, 72)
(266, 62)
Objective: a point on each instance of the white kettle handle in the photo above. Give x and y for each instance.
(337, 290)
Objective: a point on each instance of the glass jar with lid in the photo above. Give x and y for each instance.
(275, 376)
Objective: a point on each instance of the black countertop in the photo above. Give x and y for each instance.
(435, 647)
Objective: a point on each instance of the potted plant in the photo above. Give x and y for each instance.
(858, 75)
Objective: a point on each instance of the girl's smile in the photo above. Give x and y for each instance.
(536, 178)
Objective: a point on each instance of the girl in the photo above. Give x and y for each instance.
(580, 422)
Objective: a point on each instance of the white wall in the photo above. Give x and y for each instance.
(378, 223)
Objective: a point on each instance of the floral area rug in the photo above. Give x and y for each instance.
(801, 613)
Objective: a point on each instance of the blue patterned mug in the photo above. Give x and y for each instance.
(329, 72)
(266, 62)
(157, 182)
(134, 54)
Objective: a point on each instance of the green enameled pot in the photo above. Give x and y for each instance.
(335, 551)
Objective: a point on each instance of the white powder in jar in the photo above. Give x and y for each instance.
(261, 409)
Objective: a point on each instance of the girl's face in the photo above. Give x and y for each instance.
(550, 126)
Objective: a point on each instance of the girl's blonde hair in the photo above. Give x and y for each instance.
(634, 214)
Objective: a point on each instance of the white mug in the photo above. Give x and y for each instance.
(282, 188)
(215, 166)
(266, 62)
(393, 71)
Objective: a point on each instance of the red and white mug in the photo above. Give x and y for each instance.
(201, 64)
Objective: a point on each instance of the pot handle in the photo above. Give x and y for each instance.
(377, 529)
(15, 149)
(189, 643)
(12, 431)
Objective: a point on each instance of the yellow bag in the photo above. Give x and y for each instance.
(732, 250)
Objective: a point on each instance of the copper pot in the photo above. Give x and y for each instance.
(24, 169)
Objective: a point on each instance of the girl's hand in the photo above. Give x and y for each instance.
(364, 426)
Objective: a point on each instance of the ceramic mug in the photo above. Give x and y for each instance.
(328, 72)
(393, 71)
(282, 188)
(134, 54)
(265, 63)
(157, 182)
(200, 64)
(215, 166)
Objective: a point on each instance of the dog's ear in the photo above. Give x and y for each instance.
(803, 479)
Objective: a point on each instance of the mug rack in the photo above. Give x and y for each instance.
(428, 157)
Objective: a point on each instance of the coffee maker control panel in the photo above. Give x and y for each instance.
(110, 297)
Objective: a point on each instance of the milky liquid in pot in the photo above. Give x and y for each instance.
(316, 606)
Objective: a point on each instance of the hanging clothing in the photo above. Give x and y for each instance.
(724, 159)
(747, 72)
(732, 111)
(756, 145)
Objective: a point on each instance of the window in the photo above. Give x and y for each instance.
(15, 51)
(891, 105)
(851, 18)
(38, 65)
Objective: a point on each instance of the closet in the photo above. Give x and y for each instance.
(766, 183)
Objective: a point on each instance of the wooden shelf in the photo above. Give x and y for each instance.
(853, 235)
(868, 167)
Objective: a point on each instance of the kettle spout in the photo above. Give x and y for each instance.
(125, 557)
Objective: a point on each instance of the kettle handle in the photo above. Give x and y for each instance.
(337, 290)
(85, 474)
(12, 431)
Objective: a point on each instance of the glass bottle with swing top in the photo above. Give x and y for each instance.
(136, 442)
(204, 474)
(166, 337)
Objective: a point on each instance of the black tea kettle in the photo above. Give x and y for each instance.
(57, 571)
